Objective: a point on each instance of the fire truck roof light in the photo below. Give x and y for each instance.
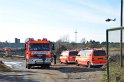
(44, 38)
(39, 39)
(29, 39)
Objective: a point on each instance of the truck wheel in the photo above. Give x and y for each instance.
(99, 66)
(66, 62)
(88, 64)
(28, 66)
(60, 61)
(47, 66)
(76, 63)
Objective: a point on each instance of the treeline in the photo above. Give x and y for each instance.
(11, 45)
(62, 45)
(66, 45)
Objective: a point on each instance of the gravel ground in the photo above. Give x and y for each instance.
(57, 73)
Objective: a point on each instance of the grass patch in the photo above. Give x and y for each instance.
(115, 72)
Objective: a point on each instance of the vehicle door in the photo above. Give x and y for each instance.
(72, 56)
(63, 56)
(99, 57)
(86, 56)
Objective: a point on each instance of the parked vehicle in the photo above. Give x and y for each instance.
(68, 56)
(38, 52)
(91, 57)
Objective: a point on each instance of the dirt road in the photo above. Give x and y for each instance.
(56, 73)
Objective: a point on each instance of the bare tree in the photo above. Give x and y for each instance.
(65, 38)
(83, 40)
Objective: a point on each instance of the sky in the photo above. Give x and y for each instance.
(57, 19)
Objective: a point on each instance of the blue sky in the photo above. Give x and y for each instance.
(55, 19)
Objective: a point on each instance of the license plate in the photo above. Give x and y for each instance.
(39, 61)
(100, 58)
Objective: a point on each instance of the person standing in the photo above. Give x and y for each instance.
(54, 58)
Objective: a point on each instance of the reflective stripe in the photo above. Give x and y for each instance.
(98, 64)
(40, 52)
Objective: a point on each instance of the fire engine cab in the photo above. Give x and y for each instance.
(38, 52)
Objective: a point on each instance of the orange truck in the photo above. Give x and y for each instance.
(91, 57)
(38, 52)
(68, 56)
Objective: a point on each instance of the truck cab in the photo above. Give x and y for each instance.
(38, 52)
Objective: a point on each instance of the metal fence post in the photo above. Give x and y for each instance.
(107, 50)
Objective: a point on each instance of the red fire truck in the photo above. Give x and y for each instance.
(38, 52)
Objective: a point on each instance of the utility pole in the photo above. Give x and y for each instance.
(76, 35)
(121, 33)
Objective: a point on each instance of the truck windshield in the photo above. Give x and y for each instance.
(39, 47)
(99, 53)
(73, 53)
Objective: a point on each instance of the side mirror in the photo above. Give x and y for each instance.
(25, 47)
(78, 55)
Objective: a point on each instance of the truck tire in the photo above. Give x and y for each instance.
(28, 66)
(76, 63)
(66, 62)
(88, 64)
(47, 66)
(60, 61)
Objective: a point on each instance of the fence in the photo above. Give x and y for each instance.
(114, 48)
